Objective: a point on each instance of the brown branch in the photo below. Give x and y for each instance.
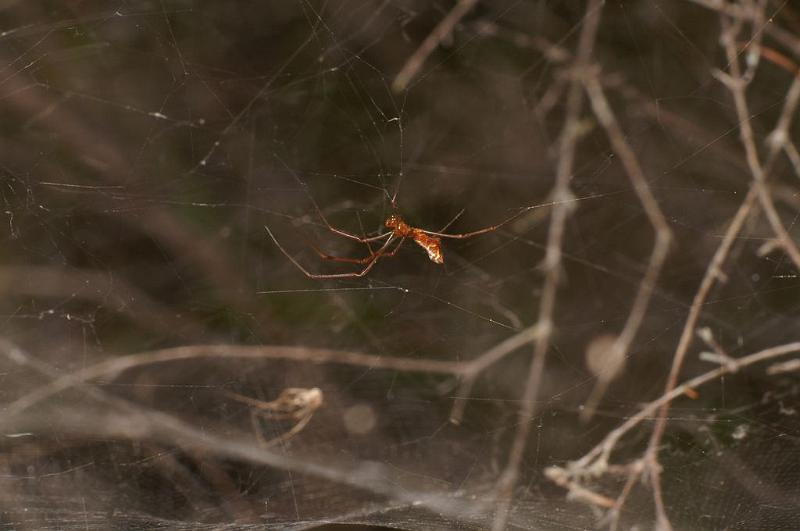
(663, 234)
(722, 6)
(473, 368)
(596, 461)
(434, 39)
(777, 140)
(114, 367)
(552, 263)
(130, 421)
(736, 83)
(712, 274)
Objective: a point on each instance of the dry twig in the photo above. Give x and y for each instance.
(126, 420)
(596, 461)
(439, 34)
(663, 234)
(552, 263)
(736, 83)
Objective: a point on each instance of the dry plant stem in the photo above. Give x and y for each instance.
(598, 457)
(469, 370)
(612, 516)
(748, 11)
(736, 84)
(722, 6)
(786, 366)
(688, 132)
(439, 33)
(713, 272)
(116, 366)
(779, 138)
(143, 424)
(596, 461)
(663, 235)
(753, 46)
(785, 37)
(232, 500)
(793, 155)
(130, 421)
(474, 368)
(781, 133)
(552, 263)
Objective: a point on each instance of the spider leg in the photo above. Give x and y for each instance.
(322, 216)
(486, 229)
(257, 428)
(326, 256)
(269, 409)
(364, 260)
(396, 248)
(260, 404)
(361, 226)
(370, 264)
(453, 220)
(285, 436)
(340, 232)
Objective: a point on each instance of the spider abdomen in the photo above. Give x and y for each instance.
(431, 244)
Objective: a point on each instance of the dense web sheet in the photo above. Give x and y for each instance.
(619, 349)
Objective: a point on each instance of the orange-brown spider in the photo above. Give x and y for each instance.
(399, 231)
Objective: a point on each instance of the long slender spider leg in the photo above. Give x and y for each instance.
(254, 415)
(359, 239)
(452, 220)
(396, 248)
(309, 274)
(319, 210)
(266, 409)
(379, 254)
(340, 232)
(322, 254)
(288, 435)
(260, 404)
(486, 229)
(361, 226)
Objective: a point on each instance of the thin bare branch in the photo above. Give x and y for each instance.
(732, 10)
(434, 39)
(127, 420)
(552, 263)
(663, 234)
(596, 461)
(115, 366)
(736, 84)
(475, 367)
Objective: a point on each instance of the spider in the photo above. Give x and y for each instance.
(294, 404)
(399, 231)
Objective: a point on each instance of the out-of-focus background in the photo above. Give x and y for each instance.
(144, 146)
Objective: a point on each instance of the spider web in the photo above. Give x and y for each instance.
(146, 145)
